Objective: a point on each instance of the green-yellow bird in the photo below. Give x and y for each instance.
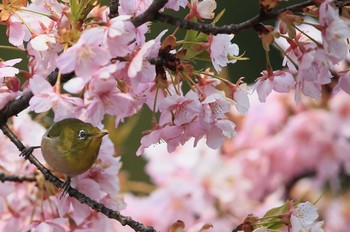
(70, 147)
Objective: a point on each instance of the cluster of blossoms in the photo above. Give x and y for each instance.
(281, 150)
(116, 70)
(311, 62)
(113, 70)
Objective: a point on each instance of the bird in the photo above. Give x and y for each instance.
(70, 147)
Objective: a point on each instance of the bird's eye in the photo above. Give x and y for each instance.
(82, 135)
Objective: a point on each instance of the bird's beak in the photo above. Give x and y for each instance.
(101, 134)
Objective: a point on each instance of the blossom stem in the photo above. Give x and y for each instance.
(192, 83)
(174, 84)
(175, 31)
(154, 120)
(11, 48)
(23, 21)
(312, 39)
(284, 53)
(35, 12)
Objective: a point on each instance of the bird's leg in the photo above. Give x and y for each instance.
(27, 151)
(65, 186)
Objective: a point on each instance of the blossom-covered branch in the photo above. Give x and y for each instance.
(230, 28)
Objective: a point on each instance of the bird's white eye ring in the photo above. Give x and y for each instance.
(82, 135)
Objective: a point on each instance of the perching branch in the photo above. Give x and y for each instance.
(82, 198)
(232, 28)
(150, 13)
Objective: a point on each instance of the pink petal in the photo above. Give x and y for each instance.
(263, 88)
(283, 83)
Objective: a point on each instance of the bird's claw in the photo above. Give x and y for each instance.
(27, 151)
(65, 187)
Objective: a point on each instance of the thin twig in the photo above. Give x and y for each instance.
(82, 198)
(232, 28)
(150, 13)
(14, 178)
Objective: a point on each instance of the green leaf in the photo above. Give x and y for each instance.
(74, 5)
(191, 36)
(218, 17)
(283, 209)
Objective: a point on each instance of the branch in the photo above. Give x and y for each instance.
(4, 177)
(150, 13)
(82, 198)
(113, 8)
(232, 28)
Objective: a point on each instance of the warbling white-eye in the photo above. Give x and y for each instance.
(70, 147)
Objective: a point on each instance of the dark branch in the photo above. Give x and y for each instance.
(113, 8)
(14, 178)
(232, 28)
(150, 13)
(82, 198)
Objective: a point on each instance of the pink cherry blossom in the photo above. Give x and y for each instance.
(185, 109)
(56, 225)
(45, 98)
(280, 81)
(140, 68)
(43, 62)
(313, 72)
(7, 96)
(240, 92)
(343, 82)
(165, 133)
(103, 97)
(303, 218)
(86, 56)
(133, 7)
(119, 34)
(19, 33)
(335, 31)
(176, 4)
(214, 121)
(202, 10)
(6, 69)
(222, 51)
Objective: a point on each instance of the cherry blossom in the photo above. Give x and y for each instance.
(184, 109)
(222, 51)
(86, 56)
(202, 10)
(303, 218)
(280, 81)
(45, 98)
(103, 97)
(120, 33)
(343, 82)
(6, 69)
(213, 119)
(335, 31)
